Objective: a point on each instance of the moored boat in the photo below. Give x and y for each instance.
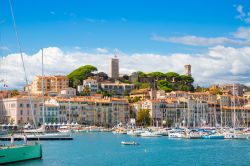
(129, 143)
(12, 154)
(149, 134)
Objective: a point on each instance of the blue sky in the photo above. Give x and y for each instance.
(128, 25)
(149, 35)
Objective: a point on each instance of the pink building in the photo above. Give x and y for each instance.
(17, 110)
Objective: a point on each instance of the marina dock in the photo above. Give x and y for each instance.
(36, 138)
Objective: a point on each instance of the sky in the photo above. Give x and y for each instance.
(150, 35)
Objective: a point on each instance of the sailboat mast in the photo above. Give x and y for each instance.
(234, 107)
(43, 109)
(22, 60)
(220, 113)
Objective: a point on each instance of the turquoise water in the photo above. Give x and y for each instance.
(104, 149)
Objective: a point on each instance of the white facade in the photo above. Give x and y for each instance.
(92, 84)
(69, 92)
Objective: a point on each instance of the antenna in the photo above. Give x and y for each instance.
(116, 52)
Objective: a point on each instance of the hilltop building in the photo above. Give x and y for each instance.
(187, 69)
(51, 84)
(114, 68)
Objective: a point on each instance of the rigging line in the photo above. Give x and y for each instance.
(22, 59)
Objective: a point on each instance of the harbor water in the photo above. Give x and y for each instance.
(105, 149)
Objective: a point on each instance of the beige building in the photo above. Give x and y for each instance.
(17, 110)
(93, 111)
(51, 84)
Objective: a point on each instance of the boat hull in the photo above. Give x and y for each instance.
(20, 153)
(213, 137)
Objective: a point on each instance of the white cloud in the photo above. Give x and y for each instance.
(102, 50)
(241, 37)
(242, 33)
(201, 41)
(219, 65)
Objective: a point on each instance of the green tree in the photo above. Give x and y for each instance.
(164, 85)
(187, 80)
(143, 117)
(141, 74)
(79, 74)
(172, 76)
(157, 75)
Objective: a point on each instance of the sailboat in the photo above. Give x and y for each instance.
(11, 154)
(40, 133)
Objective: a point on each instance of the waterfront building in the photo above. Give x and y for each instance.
(51, 84)
(93, 111)
(17, 110)
(114, 68)
(51, 112)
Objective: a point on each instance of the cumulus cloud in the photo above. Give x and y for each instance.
(242, 33)
(102, 50)
(219, 65)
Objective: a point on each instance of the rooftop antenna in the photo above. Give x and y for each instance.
(116, 52)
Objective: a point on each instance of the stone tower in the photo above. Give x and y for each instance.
(187, 69)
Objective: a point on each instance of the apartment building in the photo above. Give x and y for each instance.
(18, 111)
(51, 84)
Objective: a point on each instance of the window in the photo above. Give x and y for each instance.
(21, 105)
(27, 105)
(28, 112)
(21, 112)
